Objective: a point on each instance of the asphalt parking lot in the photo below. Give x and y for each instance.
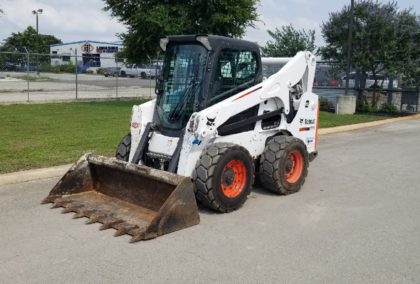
(356, 220)
(62, 87)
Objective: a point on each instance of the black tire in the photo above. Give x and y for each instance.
(213, 166)
(123, 74)
(123, 150)
(277, 171)
(143, 75)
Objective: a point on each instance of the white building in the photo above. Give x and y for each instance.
(90, 54)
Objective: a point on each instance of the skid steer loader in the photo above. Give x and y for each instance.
(215, 123)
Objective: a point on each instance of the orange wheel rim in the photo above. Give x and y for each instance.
(294, 166)
(233, 178)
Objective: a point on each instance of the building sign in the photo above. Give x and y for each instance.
(87, 48)
(106, 49)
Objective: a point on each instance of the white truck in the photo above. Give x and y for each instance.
(143, 71)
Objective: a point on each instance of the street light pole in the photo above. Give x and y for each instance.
(36, 13)
(349, 42)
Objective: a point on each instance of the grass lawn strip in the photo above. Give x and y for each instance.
(43, 135)
(328, 119)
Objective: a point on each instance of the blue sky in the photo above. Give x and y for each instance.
(72, 20)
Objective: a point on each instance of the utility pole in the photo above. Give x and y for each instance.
(349, 46)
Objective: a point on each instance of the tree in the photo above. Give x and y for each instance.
(148, 20)
(378, 45)
(287, 41)
(36, 43)
(407, 55)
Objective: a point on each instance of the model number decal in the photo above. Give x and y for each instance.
(307, 121)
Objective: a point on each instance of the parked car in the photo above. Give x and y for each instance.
(9, 66)
(325, 82)
(24, 67)
(143, 71)
(111, 71)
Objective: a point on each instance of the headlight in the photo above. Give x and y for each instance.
(136, 118)
(194, 121)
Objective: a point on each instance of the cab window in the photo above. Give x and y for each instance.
(236, 71)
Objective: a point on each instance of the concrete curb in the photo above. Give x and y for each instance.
(24, 176)
(345, 128)
(36, 174)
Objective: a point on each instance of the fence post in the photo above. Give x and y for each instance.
(75, 53)
(27, 73)
(150, 79)
(116, 76)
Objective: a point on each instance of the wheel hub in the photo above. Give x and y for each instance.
(293, 166)
(228, 177)
(233, 179)
(289, 165)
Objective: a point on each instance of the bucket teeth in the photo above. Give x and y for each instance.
(124, 229)
(138, 235)
(66, 210)
(83, 213)
(71, 208)
(56, 205)
(79, 214)
(107, 225)
(93, 219)
(137, 238)
(59, 203)
(48, 199)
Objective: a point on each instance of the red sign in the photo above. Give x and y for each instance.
(87, 48)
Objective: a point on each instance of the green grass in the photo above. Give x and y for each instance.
(328, 119)
(42, 135)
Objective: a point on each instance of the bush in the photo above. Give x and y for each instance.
(388, 108)
(364, 106)
(325, 104)
(100, 71)
(65, 68)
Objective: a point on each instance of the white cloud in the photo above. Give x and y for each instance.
(302, 14)
(67, 20)
(72, 20)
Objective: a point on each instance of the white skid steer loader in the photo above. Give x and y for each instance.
(214, 125)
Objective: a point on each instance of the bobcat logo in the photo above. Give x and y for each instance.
(210, 121)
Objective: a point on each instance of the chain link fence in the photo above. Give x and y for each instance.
(31, 77)
(386, 94)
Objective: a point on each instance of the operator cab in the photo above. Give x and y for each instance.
(199, 71)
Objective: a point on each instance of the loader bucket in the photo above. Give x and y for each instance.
(136, 200)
